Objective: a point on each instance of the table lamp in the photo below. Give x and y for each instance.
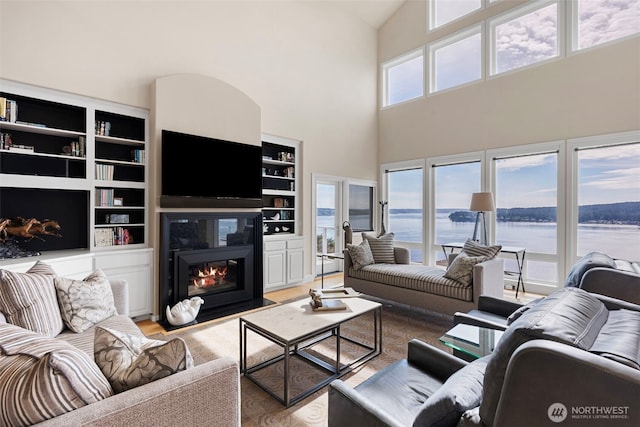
(481, 203)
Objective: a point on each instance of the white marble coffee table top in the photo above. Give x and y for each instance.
(295, 320)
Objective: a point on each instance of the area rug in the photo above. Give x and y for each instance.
(400, 324)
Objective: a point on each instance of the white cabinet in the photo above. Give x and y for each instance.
(135, 267)
(283, 262)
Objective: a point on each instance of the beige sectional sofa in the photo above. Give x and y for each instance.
(207, 394)
(423, 286)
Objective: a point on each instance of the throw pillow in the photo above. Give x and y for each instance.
(381, 248)
(84, 303)
(461, 269)
(29, 300)
(360, 254)
(129, 361)
(474, 248)
(460, 392)
(42, 377)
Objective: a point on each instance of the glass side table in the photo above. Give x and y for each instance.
(471, 342)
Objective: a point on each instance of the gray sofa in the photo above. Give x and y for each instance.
(422, 286)
(207, 394)
(567, 359)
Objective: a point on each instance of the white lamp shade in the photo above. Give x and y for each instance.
(482, 202)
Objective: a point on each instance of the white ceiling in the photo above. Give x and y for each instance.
(373, 12)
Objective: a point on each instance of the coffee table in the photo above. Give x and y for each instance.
(298, 331)
(471, 342)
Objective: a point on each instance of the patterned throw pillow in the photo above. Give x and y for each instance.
(42, 377)
(381, 247)
(361, 255)
(29, 300)
(84, 303)
(461, 269)
(474, 248)
(130, 361)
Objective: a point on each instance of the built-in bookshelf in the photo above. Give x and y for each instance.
(53, 142)
(279, 187)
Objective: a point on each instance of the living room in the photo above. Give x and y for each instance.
(308, 71)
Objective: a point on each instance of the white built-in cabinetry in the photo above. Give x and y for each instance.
(82, 162)
(283, 243)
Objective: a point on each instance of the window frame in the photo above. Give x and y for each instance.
(572, 167)
(431, 16)
(384, 195)
(573, 33)
(448, 41)
(517, 12)
(394, 62)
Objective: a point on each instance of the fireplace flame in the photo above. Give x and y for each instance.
(211, 276)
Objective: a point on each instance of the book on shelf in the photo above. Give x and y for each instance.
(137, 156)
(112, 236)
(8, 110)
(104, 197)
(104, 172)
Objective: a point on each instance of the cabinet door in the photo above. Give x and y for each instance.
(274, 266)
(295, 266)
(135, 268)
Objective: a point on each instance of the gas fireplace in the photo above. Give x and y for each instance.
(214, 256)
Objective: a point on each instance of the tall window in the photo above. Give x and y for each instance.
(442, 12)
(524, 37)
(456, 60)
(600, 21)
(608, 200)
(453, 185)
(361, 207)
(403, 213)
(403, 78)
(526, 198)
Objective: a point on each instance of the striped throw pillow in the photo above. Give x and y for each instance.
(41, 378)
(381, 248)
(474, 248)
(29, 300)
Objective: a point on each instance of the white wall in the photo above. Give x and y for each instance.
(590, 93)
(311, 70)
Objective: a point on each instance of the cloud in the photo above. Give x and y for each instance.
(518, 163)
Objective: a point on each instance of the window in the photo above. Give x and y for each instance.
(599, 21)
(526, 199)
(456, 60)
(608, 199)
(524, 37)
(453, 185)
(404, 211)
(442, 12)
(403, 78)
(361, 207)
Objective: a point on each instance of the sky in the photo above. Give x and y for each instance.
(519, 41)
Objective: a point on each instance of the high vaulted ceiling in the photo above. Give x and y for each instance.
(373, 12)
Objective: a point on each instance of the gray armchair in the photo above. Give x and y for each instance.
(570, 350)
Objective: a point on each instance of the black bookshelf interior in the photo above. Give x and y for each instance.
(48, 113)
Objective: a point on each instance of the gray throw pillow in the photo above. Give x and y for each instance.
(360, 254)
(474, 248)
(461, 269)
(381, 247)
(130, 361)
(462, 391)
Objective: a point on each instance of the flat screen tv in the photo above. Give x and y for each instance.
(206, 172)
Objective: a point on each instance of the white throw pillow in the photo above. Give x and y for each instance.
(84, 303)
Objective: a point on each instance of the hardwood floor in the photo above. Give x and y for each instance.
(150, 327)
